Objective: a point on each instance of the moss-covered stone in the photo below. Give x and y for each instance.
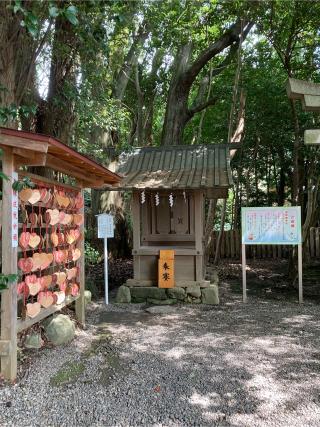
(210, 295)
(176, 293)
(123, 295)
(59, 329)
(87, 297)
(69, 373)
(194, 291)
(141, 294)
(33, 341)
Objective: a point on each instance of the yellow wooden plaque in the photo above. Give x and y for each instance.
(166, 273)
(167, 253)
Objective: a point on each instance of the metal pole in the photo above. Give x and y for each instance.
(244, 276)
(300, 273)
(106, 285)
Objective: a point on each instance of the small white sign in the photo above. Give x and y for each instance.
(105, 226)
(15, 206)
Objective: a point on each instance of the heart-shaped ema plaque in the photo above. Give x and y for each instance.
(59, 256)
(78, 219)
(25, 194)
(41, 261)
(23, 289)
(60, 277)
(24, 239)
(74, 289)
(34, 288)
(37, 261)
(79, 202)
(61, 296)
(67, 219)
(45, 298)
(71, 273)
(63, 286)
(62, 199)
(35, 197)
(54, 239)
(32, 278)
(33, 309)
(70, 238)
(34, 240)
(45, 282)
(25, 264)
(47, 259)
(76, 254)
(54, 216)
(61, 216)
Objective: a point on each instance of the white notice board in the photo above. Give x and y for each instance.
(105, 226)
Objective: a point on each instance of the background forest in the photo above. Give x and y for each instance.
(104, 76)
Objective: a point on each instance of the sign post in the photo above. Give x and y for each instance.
(105, 231)
(271, 226)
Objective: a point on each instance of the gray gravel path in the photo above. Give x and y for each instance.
(233, 365)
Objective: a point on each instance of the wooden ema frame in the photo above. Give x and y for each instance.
(10, 324)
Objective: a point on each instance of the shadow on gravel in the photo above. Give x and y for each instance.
(232, 365)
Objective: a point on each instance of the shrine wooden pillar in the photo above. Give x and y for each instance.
(80, 302)
(8, 343)
(136, 234)
(198, 224)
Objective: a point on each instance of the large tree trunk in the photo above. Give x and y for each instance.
(57, 117)
(185, 73)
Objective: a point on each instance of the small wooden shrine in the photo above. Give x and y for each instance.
(169, 186)
(42, 233)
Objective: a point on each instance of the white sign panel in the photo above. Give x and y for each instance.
(271, 226)
(15, 206)
(105, 226)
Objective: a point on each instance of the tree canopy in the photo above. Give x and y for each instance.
(104, 76)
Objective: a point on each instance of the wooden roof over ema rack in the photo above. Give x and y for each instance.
(32, 149)
(180, 167)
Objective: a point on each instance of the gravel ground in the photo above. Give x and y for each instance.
(233, 365)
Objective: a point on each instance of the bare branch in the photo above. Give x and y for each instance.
(200, 107)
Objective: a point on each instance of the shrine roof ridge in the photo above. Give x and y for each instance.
(176, 167)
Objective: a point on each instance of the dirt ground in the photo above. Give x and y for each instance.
(254, 364)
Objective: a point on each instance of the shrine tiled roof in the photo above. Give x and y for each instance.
(176, 167)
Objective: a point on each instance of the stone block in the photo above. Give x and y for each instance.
(59, 329)
(190, 283)
(194, 291)
(210, 295)
(176, 293)
(123, 295)
(33, 341)
(141, 294)
(87, 297)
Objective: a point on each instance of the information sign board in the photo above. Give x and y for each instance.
(105, 231)
(105, 226)
(271, 226)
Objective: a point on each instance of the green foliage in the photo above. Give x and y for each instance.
(92, 256)
(6, 280)
(23, 183)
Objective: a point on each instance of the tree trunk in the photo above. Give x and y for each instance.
(185, 73)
